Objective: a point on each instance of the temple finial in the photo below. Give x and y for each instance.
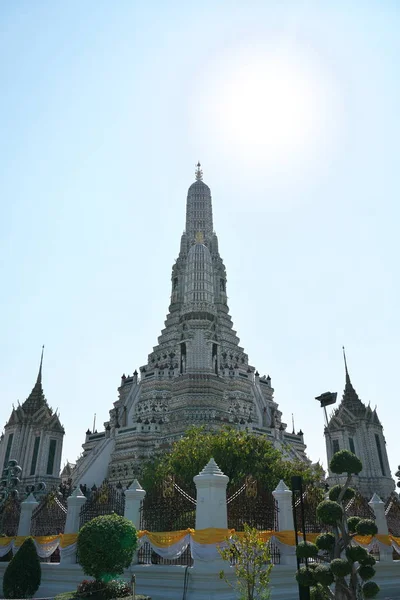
(293, 430)
(39, 377)
(199, 172)
(345, 363)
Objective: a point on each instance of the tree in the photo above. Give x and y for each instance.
(106, 545)
(251, 562)
(23, 574)
(349, 567)
(238, 453)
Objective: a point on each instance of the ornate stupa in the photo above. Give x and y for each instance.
(197, 374)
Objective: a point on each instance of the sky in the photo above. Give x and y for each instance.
(292, 109)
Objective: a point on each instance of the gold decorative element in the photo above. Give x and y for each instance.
(199, 172)
(199, 237)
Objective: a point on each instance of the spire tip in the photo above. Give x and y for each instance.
(199, 172)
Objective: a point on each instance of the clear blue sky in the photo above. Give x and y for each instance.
(293, 110)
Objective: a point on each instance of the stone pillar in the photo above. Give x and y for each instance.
(27, 508)
(133, 497)
(283, 496)
(75, 502)
(386, 552)
(211, 510)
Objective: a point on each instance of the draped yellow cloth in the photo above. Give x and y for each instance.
(165, 539)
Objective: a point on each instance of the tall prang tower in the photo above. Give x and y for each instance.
(197, 374)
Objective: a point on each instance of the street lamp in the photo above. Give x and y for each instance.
(398, 475)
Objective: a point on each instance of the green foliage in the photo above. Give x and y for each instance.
(368, 560)
(366, 527)
(237, 453)
(352, 523)
(329, 512)
(23, 574)
(106, 545)
(325, 541)
(335, 491)
(319, 592)
(323, 574)
(252, 564)
(366, 572)
(370, 589)
(357, 554)
(345, 461)
(306, 550)
(305, 577)
(116, 588)
(340, 567)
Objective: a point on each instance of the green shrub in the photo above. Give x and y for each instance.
(370, 589)
(116, 588)
(323, 574)
(306, 550)
(368, 560)
(366, 572)
(366, 527)
(329, 512)
(318, 592)
(335, 491)
(352, 523)
(325, 541)
(340, 567)
(357, 554)
(304, 577)
(23, 574)
(106, 545)
(345, 461)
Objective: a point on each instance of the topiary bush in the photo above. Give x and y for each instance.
(335, 491)
(323, 574)
(106, 546)
(357, 554)
(352, 523)
(304, 577)
(346, 567)
(366, 527)
(329, 512)
(306, 550)
(345, 461)
(370, 589)
(340, 567)
(23, 574)
(325, 541)
(366, 572)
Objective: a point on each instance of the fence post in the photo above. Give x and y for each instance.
(133, 498)
(75, 502)
(385, 552)
(211, 508)
(27, 508)
(283, 496)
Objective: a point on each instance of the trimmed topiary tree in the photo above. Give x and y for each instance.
(106, 546)
(23, 574)
(348, 567)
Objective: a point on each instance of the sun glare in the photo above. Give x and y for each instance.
(266, 107)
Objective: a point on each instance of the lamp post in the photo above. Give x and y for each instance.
(297, 498)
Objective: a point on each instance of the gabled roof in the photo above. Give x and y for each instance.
(351, 409)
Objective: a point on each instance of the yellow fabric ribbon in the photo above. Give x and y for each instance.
(211, 535)
(166, 538)
(4, 541)
(68, 539)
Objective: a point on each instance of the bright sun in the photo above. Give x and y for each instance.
(266, 107)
